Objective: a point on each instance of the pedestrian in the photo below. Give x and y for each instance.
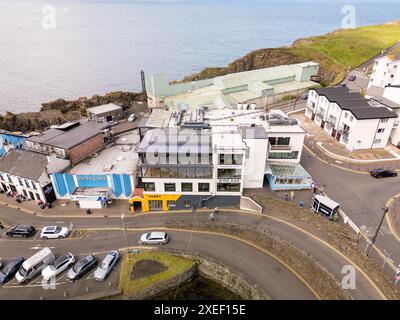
(292, 195)
(314, 189)
(301, 203)
(286, 196)
(211, 217)
(1, 225)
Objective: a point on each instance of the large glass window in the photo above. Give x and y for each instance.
(149, 186)
(187, 187)
(228, 187)
(280, 141)
(229, 173)
(235, 159)
(204, 187)
(283, 155)
(169, 187)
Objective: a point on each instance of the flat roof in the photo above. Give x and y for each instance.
(228, 138)
(104, 108)
(159, 118)
(120, 158)
(288, 171)
(176, 140)
(67, 139)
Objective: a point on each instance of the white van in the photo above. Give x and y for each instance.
(34, 265)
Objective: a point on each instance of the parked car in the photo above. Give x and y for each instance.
(383, 173)
(352, 77)
(343, 85)
(31, 267)
(58, 265)
(21, 230)
(54, 232)
(108, 263)
(82, 267)
(154, 238)
(304, 96)
(9, 271)
(132, 117)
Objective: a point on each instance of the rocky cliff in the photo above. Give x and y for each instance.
(61, 111)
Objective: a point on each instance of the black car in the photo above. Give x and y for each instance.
(21, 230)
(9, 271)
(383, 173)
(82, 267)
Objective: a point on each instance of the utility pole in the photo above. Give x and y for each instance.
(126, 238)
(385, 210)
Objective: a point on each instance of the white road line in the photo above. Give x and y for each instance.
(90, 276)
(37, 233)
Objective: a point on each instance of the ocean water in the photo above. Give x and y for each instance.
(101, 46)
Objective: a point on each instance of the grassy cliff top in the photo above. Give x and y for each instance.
(334, 52)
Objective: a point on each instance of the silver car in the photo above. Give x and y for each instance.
(108, 263)
(154, 238)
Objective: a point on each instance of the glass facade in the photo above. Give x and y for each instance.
(283, 155)
(228, 187)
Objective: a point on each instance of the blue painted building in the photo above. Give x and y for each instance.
(16, 141)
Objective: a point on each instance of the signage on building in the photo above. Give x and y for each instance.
(229, 166)
(87, 198)
(228, 180)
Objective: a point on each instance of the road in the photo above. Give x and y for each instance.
(274, 277)
(269, 274)
(361, 197)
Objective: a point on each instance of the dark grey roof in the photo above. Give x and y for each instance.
(23, 163)
(175, 140)
(253, 133)
(358, 105)
(67, 139)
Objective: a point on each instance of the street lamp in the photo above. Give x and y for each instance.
(126, 238)
(384, 210)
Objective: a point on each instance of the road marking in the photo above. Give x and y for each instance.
(389, 218)
(37, 233)
(90, 276)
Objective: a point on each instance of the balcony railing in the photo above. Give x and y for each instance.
(280, 148)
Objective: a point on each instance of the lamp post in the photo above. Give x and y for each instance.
(126, 238)
(385, 210)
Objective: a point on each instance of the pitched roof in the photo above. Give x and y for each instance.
(358, 105)
(23, 163)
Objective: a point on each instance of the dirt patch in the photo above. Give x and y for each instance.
(146, 268)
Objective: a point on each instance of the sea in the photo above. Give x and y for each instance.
(72, 48)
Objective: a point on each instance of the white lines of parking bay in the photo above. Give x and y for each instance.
(371, 230)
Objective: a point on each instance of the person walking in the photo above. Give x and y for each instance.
(211, 217)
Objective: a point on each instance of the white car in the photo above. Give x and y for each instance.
(154, 238)
(132, 117)
(58, 265)
(106, 266)
(54, 232)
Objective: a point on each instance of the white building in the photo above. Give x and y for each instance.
(27, 173)
(207, 158)
(391, 95)
(386, 72)
(354, 121)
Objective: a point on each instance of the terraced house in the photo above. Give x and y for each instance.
(354, 121)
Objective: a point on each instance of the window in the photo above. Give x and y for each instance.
(228, 187)
(235, 159)
(381, 130)
(37, 196)
(169, 187)
(351, 118)
(204, 187)
(24, 192)
(1, 177)
(20, 182)
(187, 187)
(377, 141)
(27, 183)
(171, 203)
(384, 120)
(187, 203)
(149, 186)
(345, 115)
(34, 186)
(281, 141)
(283, 155)
(229, 173)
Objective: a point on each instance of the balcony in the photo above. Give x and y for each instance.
(331, 121)
(280, 148)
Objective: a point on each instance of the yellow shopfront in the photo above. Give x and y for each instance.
(153, 202)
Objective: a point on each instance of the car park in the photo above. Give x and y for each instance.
(383, 173)
(21, 230)
(10, 269)
(33, 266)
(54, 232)
(154, 238)
(82, 267)
(59, 265)
(106, 266)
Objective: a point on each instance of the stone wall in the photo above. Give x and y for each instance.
(223, 274)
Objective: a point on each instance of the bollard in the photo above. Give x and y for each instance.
(65, 294)
(110, 283)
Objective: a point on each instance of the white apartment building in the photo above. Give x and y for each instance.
(385, 72)
(354, 121)
(392, 95)
(208, 158)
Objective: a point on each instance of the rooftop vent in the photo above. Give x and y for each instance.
(108, 167)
